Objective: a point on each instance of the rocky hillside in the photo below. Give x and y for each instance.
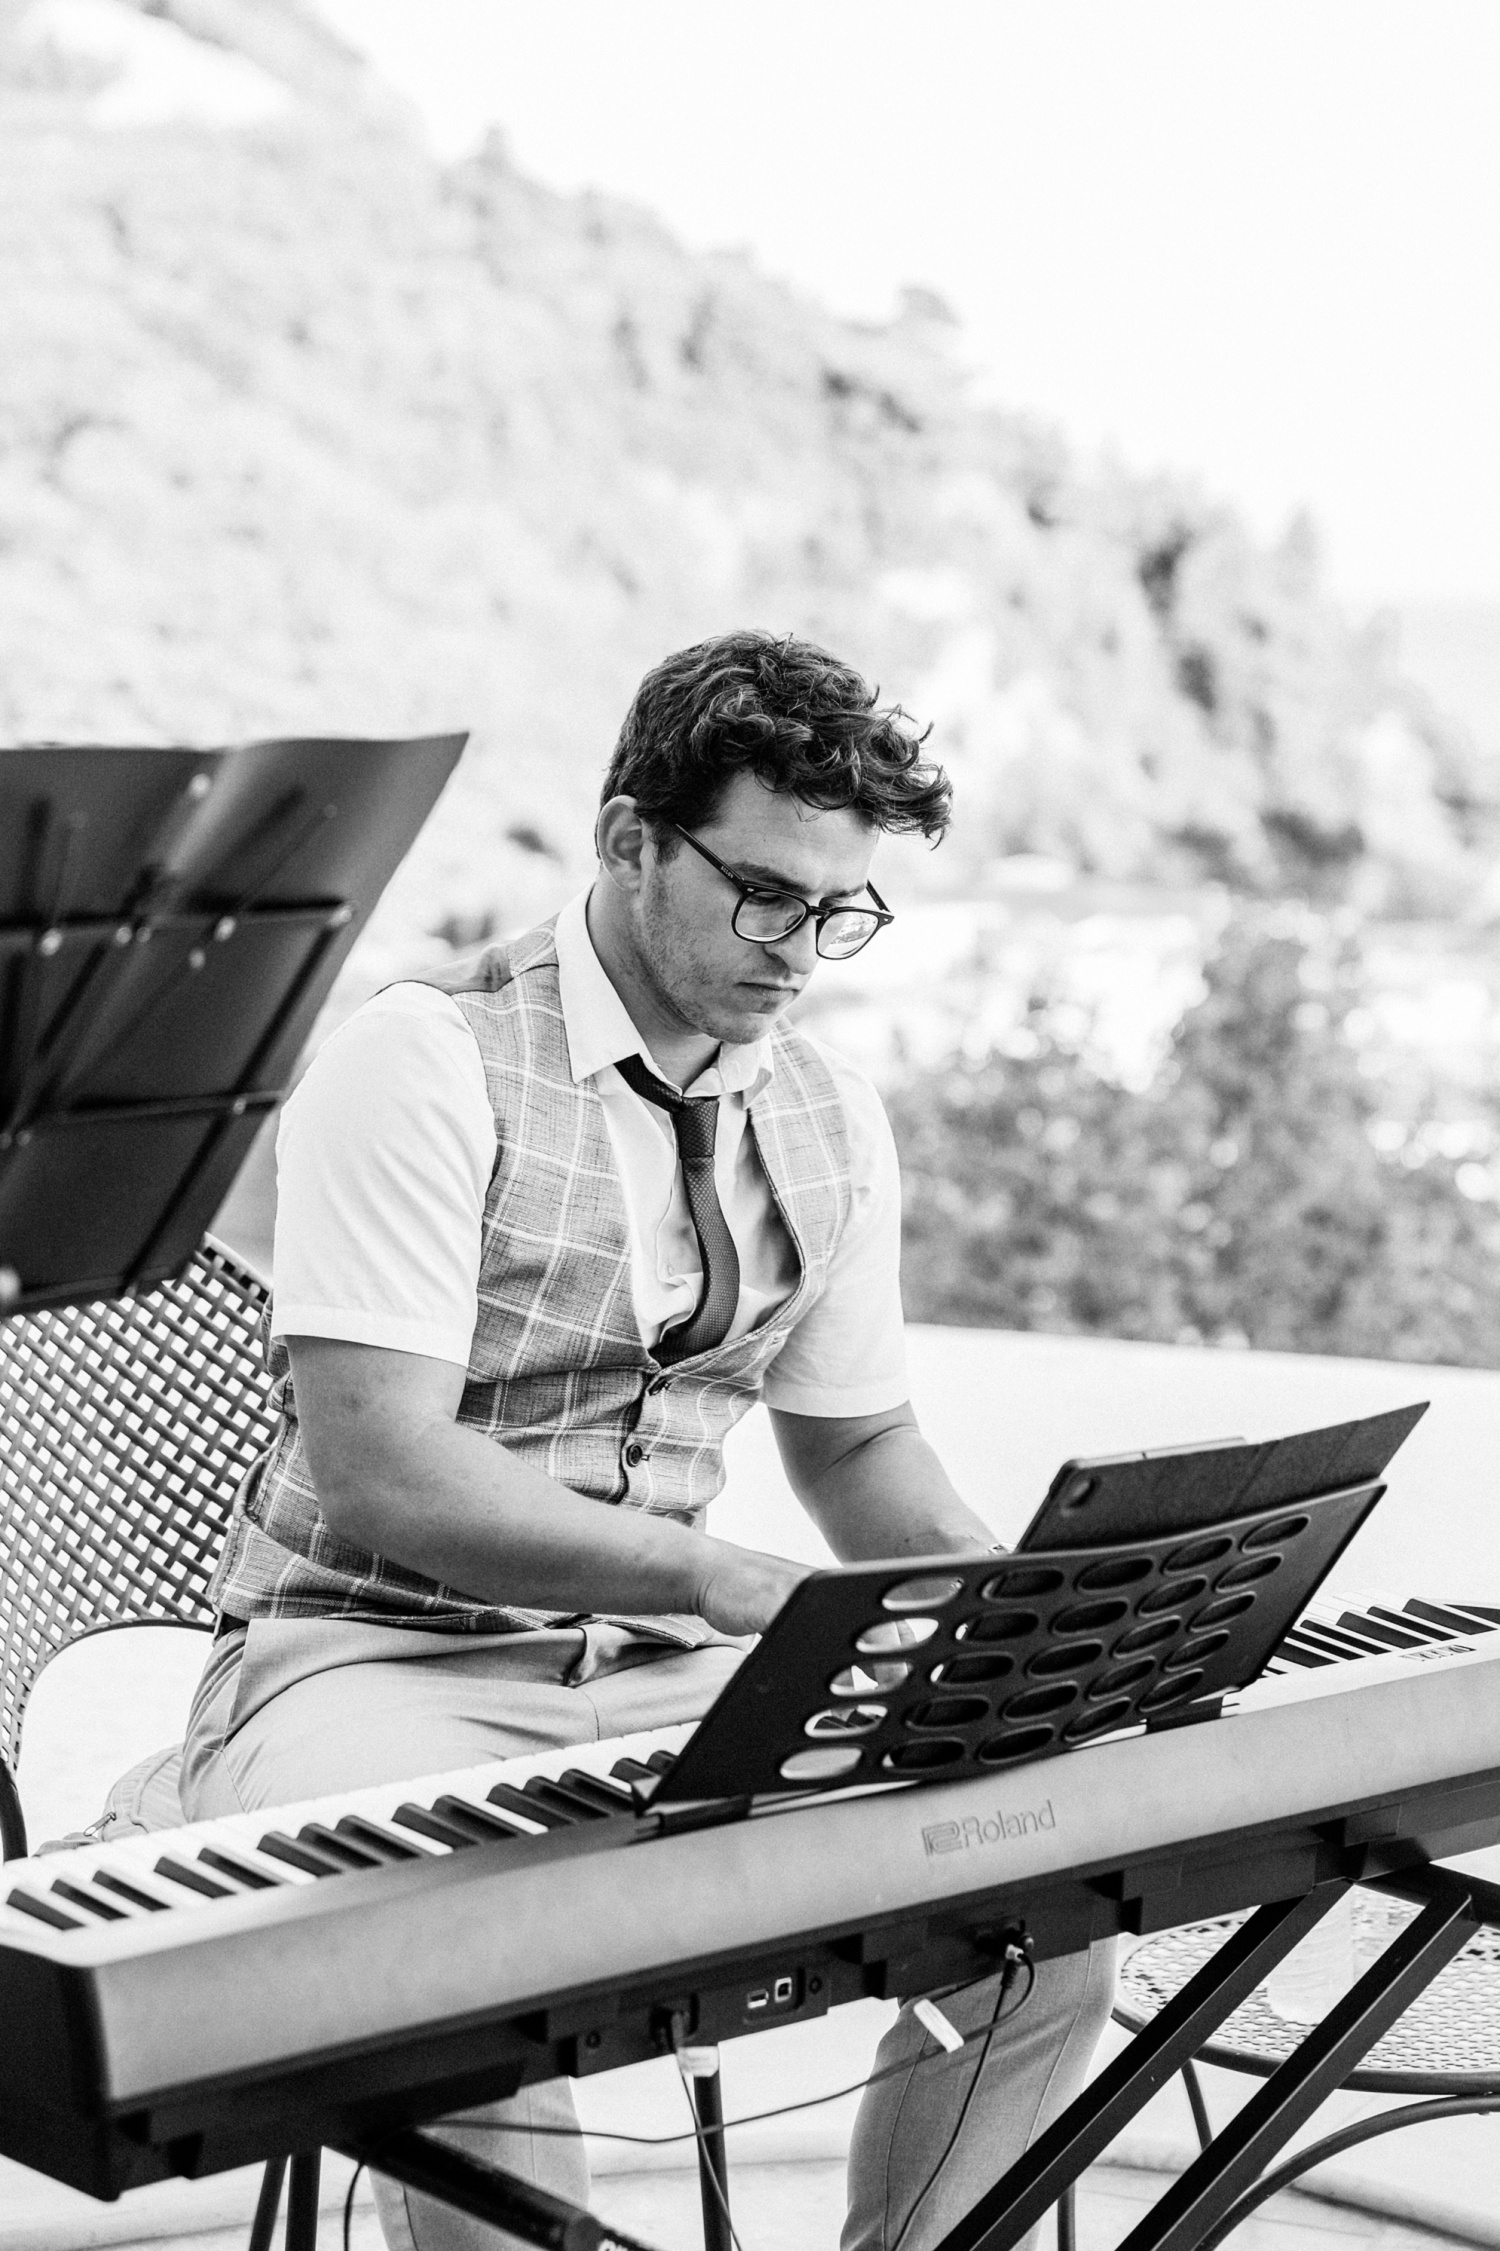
(300, 430)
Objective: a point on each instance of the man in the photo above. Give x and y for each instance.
(542, 1239)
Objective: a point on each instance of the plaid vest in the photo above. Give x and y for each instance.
(558, 1372)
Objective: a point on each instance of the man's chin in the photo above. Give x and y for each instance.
(737, 1025)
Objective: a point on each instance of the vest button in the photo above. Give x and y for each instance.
(634, 1453)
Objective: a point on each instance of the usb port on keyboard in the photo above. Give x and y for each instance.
(759, 1999)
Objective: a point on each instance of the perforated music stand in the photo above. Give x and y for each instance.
(945, 1667)
(170, 923)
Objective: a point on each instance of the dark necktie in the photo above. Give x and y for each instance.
(695, 1124)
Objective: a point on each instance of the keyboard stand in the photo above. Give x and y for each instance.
(1189, 2216)
(532, 2214)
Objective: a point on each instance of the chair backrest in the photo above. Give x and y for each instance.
(125, 1428)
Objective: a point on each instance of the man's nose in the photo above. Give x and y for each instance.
(797, 952)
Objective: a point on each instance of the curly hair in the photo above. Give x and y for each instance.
(790, 714)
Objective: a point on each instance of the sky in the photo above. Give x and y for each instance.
(1257, 241)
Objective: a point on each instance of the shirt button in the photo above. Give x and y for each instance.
(634, 1453)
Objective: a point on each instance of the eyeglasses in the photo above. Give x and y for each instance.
(765, 915)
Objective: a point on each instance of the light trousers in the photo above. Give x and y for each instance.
(300, 1708)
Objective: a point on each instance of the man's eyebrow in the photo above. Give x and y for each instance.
(774, 880)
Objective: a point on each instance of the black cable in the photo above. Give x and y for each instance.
(1001, 2016)
(1333, 2145)
(758, 2117)
(349, 2201)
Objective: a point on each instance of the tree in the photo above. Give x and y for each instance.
(1249, 1195)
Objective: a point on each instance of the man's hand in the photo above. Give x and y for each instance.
(740, 1590)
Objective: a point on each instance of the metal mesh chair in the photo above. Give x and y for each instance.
(125, 1428)
(1444, 2049)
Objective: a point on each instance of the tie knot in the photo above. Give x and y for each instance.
(695, 1121)
(697, 1124)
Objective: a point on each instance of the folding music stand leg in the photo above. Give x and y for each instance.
(302, 2201)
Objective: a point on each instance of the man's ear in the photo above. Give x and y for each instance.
(621, 839)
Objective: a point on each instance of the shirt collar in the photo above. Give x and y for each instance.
(599, 1028)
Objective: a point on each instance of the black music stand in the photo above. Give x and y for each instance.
(170, 923)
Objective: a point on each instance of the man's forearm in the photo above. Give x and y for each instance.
(396, 1474)
(892, 1496)
(462, 1510)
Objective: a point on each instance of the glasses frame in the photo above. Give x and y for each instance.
(818, 915)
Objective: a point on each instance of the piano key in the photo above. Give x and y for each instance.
(1336, 1639)
(44, 1910)
(182, 1872)
(343, 1849)
(632, 1770)
(96, 1903)
(609, 1797)
(1475, 1620)
(313, 1861)
(662, 1762)
(1393, 1637)
(1433, 1614)
(550, 1793)
(428, 1824)
(363, 1831)
(541, 1816)
(488, 1826)
(1300, 1652)
(1425, 1632)
(109, 1879)
(231, 1864)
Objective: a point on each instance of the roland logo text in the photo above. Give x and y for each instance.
(988, 1829)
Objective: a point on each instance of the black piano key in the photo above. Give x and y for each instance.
(530, 1809)
(279, 1846)
(344, 1850)
(1476, 1620)
(487, 1827)
(1357, 1641)
(107, 1880)
(1380, 1629)
(1335, 1640)
(544, 1791)
(43, 1910)
(428, 1824)
(1433, 1614)
(1482, 1610)
(1424, 1628)
(180, 1872)
(1300, 1652)
(81, 1897)
(662, 1762)
(229, 1864)
(363, 1831)
(631, 1770)
(609, 1797)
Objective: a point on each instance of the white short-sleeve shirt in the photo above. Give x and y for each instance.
(384, 1156)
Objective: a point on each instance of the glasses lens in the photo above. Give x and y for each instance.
(845, 932)
(767, 914)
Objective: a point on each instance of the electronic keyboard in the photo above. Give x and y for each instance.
(192, 1999)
